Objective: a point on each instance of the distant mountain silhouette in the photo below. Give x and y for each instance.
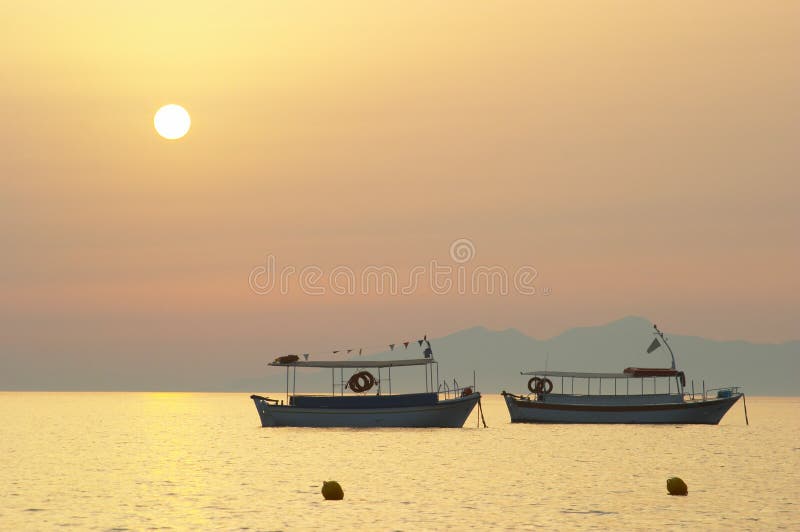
(497, 357)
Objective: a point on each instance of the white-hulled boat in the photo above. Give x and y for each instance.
(432, 408)
(636, 395)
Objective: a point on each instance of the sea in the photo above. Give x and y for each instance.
(197, 461)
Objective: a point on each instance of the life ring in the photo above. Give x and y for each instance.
(545, 386)
(361, 382)
(466, 391)
(533, 384)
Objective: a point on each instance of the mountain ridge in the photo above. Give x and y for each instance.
(497, 357)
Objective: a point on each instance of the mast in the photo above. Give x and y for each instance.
(663, 339)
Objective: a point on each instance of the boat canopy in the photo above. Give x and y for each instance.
(355, 363)
(628, 373)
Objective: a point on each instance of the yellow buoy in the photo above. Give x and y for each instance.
(676, 486)
(332, 491)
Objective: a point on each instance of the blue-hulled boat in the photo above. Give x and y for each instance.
(350, 406)
(635, 395)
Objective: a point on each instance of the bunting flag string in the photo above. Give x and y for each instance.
(360, 350)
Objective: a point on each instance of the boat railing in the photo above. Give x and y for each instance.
(713, 393)
(454, 391)
(267, 399)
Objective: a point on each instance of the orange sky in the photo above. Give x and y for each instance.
(641, 156)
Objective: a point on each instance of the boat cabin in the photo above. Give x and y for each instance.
(652, 384)
(351, 376)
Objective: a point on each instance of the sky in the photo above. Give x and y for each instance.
(640, 157)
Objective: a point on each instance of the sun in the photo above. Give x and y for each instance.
(172, 121)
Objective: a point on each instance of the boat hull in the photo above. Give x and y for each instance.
(708, 412)
(448, 413)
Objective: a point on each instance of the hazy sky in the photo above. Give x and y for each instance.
(641, 156)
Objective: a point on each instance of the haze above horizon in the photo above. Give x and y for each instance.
(639, 158)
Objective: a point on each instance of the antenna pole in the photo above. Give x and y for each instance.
(661, 334)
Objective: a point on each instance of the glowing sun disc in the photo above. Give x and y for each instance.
(172, 121)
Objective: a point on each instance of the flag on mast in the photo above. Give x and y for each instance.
(655, 345)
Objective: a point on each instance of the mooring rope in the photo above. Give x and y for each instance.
(480, 416)
(744, 401)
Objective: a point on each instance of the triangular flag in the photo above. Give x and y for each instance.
(405, 345)
(655, 345)
(420, 342)
(335, 352)
(349, 351)
(359, 351)
(391, 347)
(425, 337)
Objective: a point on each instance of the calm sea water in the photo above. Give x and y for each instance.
(187, 461)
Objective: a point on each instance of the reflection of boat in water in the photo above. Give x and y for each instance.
(637, 395)
(355, 409)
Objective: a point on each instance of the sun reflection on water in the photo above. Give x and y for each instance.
(142, 460)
